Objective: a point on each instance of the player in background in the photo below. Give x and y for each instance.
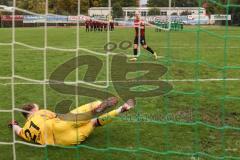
(91, 25)
(46, 127)
(87, 24)
(101, 26)
(139, 26)
(111, 26)
(105, 26)
(94, 26)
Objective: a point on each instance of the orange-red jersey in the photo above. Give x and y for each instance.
(139, 26)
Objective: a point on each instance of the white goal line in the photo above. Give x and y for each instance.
(107, 53)
(22, 142)
(31, 47)
(40, 82)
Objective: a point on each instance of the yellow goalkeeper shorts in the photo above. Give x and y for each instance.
(74, 132)
(70, 133)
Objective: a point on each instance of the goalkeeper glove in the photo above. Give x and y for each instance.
(10, 124)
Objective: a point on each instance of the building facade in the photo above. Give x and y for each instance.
(99, 11)
(164, 11)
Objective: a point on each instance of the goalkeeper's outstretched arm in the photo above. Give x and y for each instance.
(16, 128)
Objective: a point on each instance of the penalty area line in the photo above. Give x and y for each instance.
(37, 82)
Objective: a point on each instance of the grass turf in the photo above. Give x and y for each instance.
(171, 131)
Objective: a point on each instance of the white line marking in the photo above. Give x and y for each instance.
(5, 78)
(29, 46)
(29, 79)
(5, 44)
(30, 144)
(6, 110)
(6, 143)
(38, 82)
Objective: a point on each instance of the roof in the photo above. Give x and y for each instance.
(146, 8)
(162, 8)
(6, 8)
(100, 8)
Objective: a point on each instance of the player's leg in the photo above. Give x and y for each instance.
(96, 107)
(108, 117)
(83, 131)
(83, 114)
(149, 49)
(78, 133)
(135, 49)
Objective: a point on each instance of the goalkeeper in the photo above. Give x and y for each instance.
(46, 127)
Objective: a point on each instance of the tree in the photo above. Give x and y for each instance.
(129, 3)
(68, 7)
(236, 16)
(84, 6)
(32, 5)
(154, 12)
(123, 3)
(4, 2)
(185, 3)
(117, 10)
(158, 3)
(175, 3)
(94, 3)
(235, 13)
(213, 9)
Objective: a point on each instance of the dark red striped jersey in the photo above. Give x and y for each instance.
(139, 25)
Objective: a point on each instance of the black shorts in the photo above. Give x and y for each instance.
(142, 40)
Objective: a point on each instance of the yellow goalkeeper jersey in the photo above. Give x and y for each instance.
(38, 128)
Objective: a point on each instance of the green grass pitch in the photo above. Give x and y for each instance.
(206, 53)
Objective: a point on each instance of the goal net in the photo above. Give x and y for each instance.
(62, 55)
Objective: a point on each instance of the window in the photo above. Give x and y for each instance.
(130, 14)
(144, 13)
(163, 13)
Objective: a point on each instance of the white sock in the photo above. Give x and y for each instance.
(119, 110)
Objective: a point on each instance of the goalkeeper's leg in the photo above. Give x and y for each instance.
(96, 107)
(108, 117)
(85, 113)
(85, 130)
